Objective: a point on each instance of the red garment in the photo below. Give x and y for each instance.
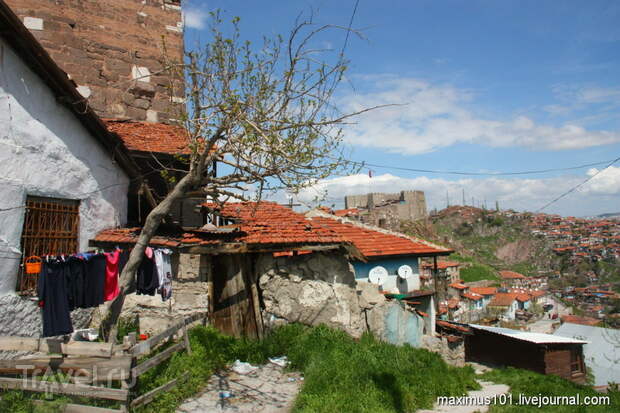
(111, 290)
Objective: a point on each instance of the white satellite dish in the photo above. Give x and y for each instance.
(405, 271)
(378, 275)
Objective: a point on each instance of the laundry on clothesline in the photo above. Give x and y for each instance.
(87, 280)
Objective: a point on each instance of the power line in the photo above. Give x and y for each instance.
(539, 171)
(573, 189)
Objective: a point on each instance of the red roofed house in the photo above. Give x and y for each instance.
(449, 268)
(504, 305)
(512, 279)
(387, 258)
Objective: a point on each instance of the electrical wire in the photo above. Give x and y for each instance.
(573, 189)
(531, 172)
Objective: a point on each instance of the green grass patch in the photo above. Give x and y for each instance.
(341, 374)
(477, 272)
(527, 383)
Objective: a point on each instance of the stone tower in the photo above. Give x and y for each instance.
(112, 50)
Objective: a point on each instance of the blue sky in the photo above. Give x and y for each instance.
(488, 86)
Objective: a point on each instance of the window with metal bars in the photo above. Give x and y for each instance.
(51, 227)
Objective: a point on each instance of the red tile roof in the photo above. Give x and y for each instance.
(523, 297)
(375, 243)
(472, 296)
(346, 212)
(511, 275)
(503, 299)
(575, 319)
(458, 286)
(483, 290)
(151, 137)
(257, 224)
(270, 223)
(441, 265)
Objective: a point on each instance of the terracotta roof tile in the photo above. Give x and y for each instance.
(151, 137)
(483, 290)
(373, 243)
(503, 299)
(511, 275)
(271, 223)
(472, 296)
(458, 286)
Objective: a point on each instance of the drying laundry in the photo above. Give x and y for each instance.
(164, 272)
(53, 298)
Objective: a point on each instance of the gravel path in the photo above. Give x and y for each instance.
(268, 389)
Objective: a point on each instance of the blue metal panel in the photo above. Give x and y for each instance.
(391, 264)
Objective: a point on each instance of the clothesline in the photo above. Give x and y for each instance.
(87, 280)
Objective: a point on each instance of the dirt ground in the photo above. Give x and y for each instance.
(268, 389)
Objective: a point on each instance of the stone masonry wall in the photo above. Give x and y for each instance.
(452, 353)
(112, 49)
(189, 296)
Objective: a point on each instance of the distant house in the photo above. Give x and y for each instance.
(602, 352)
(487, 293)
(543, 353)
(504, 305)
(450, 269)
(512, 279)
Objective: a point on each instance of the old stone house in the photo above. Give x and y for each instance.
(64, 178)
(385, 210)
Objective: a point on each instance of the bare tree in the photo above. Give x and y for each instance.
(265, 113)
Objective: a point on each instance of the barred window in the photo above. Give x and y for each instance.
(51, 227)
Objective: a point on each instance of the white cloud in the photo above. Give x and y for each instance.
(434, 116)
(601, 194)
(195, 18)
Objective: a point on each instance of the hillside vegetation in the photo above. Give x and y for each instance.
(486, 242)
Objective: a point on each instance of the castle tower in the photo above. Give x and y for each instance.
(112, 50)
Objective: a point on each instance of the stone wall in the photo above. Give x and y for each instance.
(190, 294)
(112, 49)
(320, 288)
(21, 316)
(388, 210)
(452, 353)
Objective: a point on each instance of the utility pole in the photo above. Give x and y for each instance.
(463, 196)
(447, 200)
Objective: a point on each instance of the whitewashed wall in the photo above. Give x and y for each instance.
(45, 151)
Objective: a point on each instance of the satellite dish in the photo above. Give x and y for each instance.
(378, 275)
(405, 271)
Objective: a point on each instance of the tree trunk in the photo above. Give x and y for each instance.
(109, 323)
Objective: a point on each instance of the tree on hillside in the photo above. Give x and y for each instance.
(266, 115)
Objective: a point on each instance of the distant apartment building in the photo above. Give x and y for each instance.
(387, 210)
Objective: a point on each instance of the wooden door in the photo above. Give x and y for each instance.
(234, 311)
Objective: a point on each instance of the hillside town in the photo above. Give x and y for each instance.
(137, 274)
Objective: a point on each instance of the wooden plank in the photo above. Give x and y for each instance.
(80, 408)
(85, 348)
(98, 369)
(148, 397)
(146, 346)
(19, 343)
(64, 388)
(188, 347)
(157, 359)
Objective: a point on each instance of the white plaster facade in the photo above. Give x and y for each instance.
(45, 151)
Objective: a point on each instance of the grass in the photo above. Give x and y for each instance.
(527, 383)
(341, 374)
(477, 272)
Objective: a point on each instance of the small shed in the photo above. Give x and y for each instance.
(601, 352)
(542, 353)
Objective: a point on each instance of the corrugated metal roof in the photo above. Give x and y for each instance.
(538, 338)
(601, 353)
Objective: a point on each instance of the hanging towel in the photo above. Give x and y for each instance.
(111, 289)
(95, 280)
